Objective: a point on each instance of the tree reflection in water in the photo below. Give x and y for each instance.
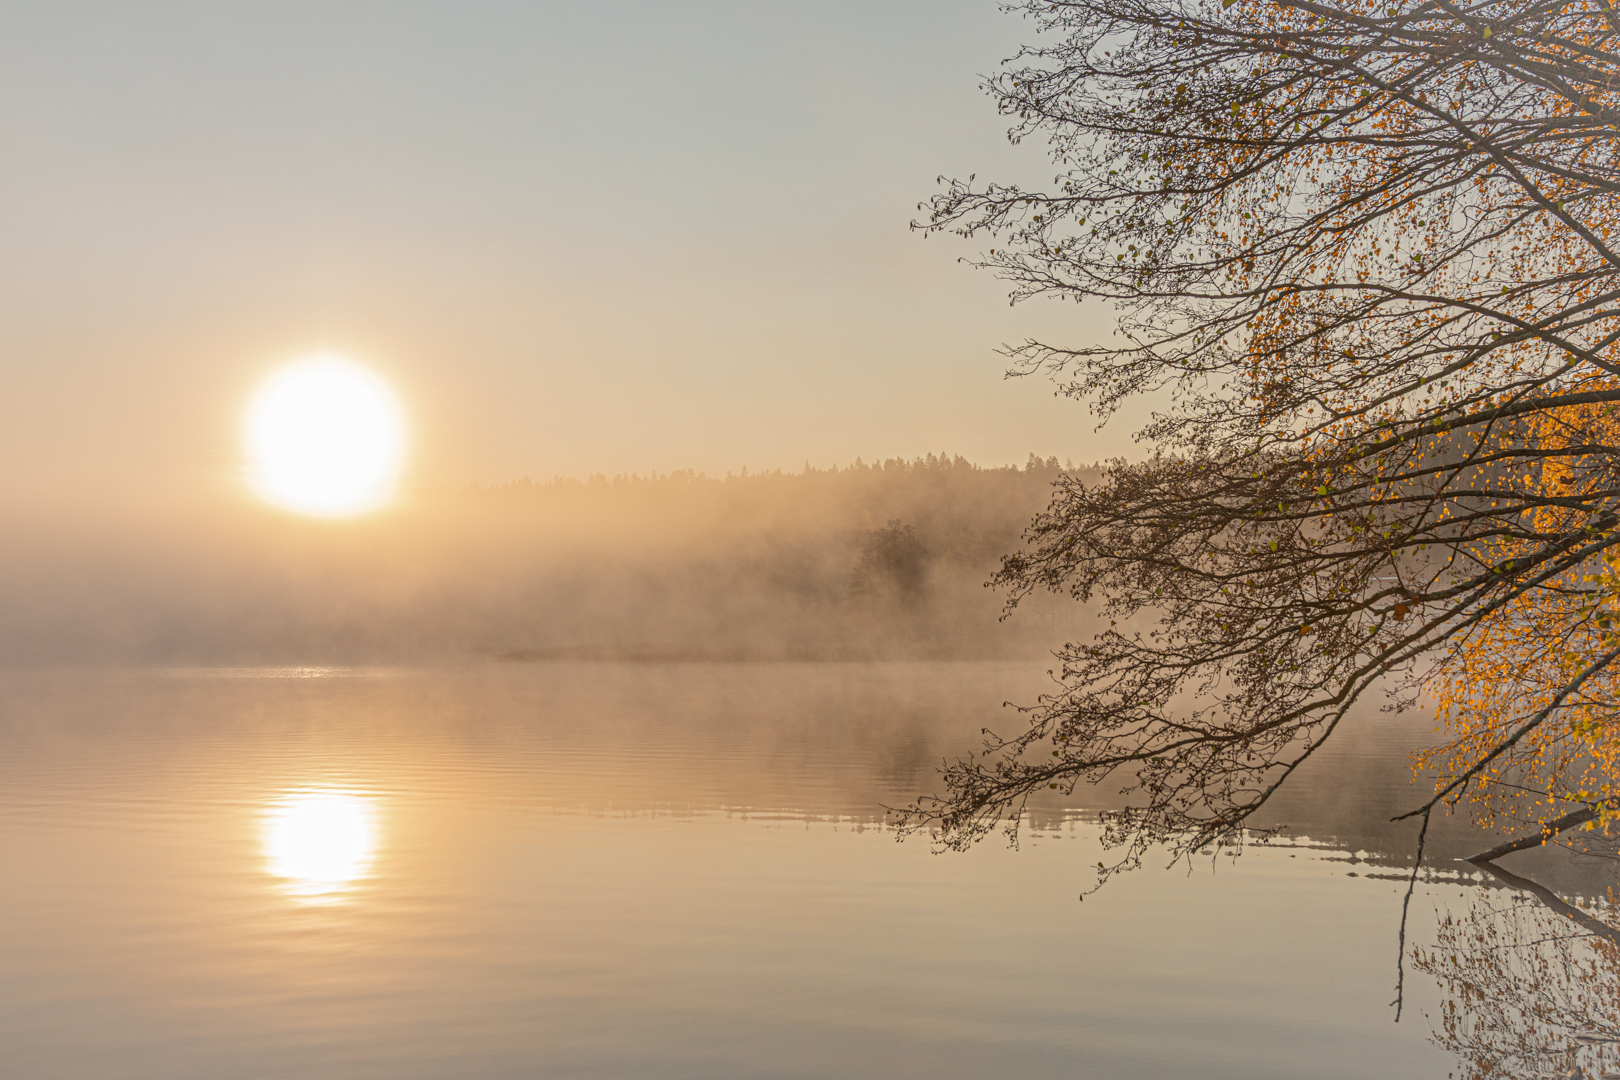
(1531, 984)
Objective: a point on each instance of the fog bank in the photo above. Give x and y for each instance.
(873, 561)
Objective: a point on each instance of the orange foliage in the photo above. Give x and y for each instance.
(1516, 660)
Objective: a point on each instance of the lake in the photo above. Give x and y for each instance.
(682, 870)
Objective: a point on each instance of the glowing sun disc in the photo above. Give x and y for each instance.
(325, 437)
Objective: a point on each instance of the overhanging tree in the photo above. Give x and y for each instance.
(1366, 249)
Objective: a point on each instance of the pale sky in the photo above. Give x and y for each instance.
(574, 237)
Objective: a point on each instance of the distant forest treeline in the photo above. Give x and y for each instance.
(891, 468)
(868, 561)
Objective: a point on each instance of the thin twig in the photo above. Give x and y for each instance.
(1411, 885)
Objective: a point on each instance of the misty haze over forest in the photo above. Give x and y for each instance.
(887, 560)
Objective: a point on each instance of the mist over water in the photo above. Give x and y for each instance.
(888, 560)
(591, 779)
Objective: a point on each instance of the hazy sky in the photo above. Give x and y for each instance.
(576, 237)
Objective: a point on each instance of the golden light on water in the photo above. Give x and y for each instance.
(325, 437)
(319, 843)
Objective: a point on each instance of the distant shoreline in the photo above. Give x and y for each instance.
(652, 654)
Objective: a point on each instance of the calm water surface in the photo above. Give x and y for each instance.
(665, 871)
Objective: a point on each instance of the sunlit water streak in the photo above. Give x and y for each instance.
(320, 843)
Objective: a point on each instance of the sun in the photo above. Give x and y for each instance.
(325, 437)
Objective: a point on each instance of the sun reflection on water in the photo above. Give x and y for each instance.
(320, 842)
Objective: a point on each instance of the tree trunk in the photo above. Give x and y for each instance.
(1548, 831)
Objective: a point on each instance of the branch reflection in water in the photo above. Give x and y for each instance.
(1531, 989)
(320, 842)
